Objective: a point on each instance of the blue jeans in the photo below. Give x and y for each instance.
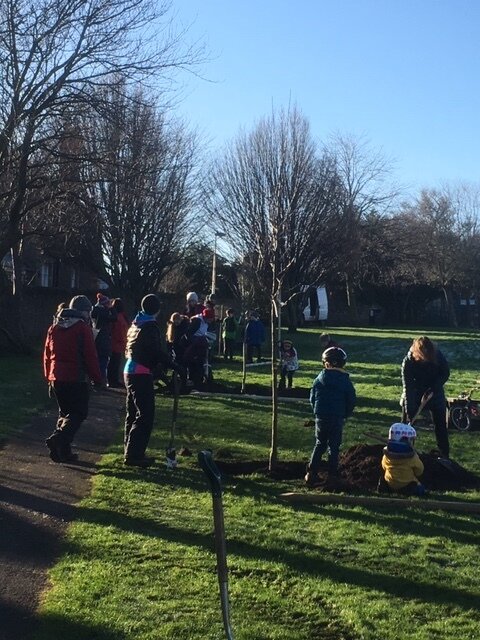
(328, 435)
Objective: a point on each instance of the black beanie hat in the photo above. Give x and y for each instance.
(81, 303)
(150, 304)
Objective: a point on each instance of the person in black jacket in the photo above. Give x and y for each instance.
(144, 354)
(425, 370)
(103, 317)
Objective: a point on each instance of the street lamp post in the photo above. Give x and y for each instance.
(218, 234)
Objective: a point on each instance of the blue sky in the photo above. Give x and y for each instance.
(403, 73)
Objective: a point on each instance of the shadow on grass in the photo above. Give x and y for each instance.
(257, 487)
(427, 525)
(377, 379)
(54, 627)
(365, 403)
(313, 563)
(19, 624)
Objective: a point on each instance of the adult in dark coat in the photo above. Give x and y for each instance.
(103, 317)
(425, 370)
(144, 354)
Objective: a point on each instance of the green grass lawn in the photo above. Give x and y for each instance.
(139, 562)
(23, 392)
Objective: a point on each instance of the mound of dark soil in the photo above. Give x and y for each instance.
(359, 471)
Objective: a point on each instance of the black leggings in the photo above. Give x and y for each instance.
(438, 411)
(140, 414)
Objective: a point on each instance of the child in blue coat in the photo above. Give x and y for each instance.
(333, 399)
(254, 337)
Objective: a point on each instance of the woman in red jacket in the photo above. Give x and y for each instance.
(69, 361)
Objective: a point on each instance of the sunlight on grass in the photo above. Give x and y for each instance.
(23, 392)
(139, 562)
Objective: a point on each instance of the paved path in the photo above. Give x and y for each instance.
(37, 502)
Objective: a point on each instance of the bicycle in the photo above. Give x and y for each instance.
(462, 410)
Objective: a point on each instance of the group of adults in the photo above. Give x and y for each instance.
(189, 336)
(85, 345)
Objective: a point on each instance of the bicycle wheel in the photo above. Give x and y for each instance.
(460, 418)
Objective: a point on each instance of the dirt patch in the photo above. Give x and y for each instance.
(359, 471)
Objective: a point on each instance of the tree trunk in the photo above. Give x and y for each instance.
(451, 313)
(274, 330)
(244, 360)
(351, 301)
(292, 315)
(12, 322)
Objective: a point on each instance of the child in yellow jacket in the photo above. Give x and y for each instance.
(401, 463)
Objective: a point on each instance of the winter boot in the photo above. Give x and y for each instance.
(66, 453)
(53, 443)
(59, 447)
(311, 479)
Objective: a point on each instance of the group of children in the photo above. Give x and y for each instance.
(333, 400)
(190, 334)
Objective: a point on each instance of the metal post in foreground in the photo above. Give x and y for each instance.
(208, 465)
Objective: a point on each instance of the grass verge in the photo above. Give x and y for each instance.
(139, 562)
(24, 392)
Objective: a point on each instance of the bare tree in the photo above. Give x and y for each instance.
(445, 224)
(272, 196)
(365, 177)
(54, 55)
(141, 190)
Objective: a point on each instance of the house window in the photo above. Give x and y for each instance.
(46, 274)
(74, 278)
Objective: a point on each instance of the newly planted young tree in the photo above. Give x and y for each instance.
(273, 197)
